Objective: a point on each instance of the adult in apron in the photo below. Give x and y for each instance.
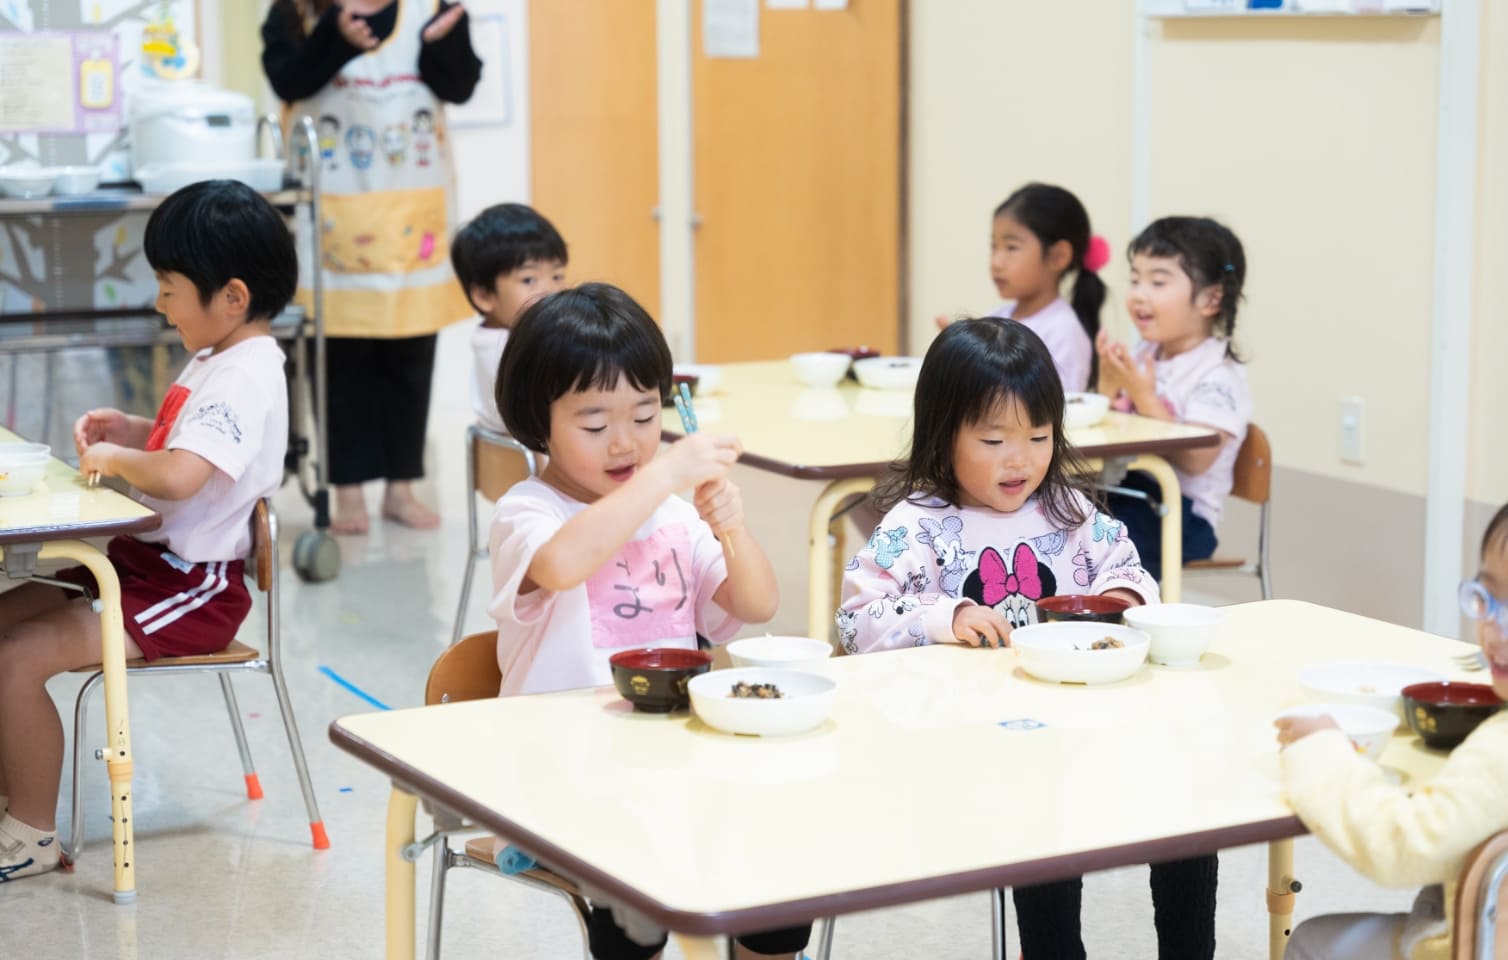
(373, 74)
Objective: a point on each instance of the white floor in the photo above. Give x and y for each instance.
(220, 876)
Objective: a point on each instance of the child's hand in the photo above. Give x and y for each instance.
(1292, 729)
(981, 626)
(357, 32)
(444, 23)
(700, 458)
(99, 458)
(1111, 382)
(105, 425)
(721, 505)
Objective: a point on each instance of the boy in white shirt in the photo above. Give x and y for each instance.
(505, 259)
(225, 265)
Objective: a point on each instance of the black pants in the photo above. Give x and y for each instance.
(379, 407)
(608, 941)
(1183, 904)
(1144, 526)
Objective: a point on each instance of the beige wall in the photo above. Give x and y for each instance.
(1489, 395)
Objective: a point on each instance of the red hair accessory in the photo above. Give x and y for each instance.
(1097, 254)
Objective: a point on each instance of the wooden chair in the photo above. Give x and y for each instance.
(493, 464)
(236, 658)
(1253, 482)
(1481, 902)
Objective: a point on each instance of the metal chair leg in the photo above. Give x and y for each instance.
(825, 938)
(80, 723)
(471, 538)
(296, 747)
(997, 923)
(437, 900)
(253, 784)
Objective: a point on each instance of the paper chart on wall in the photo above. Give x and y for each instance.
(730, 28)
(491, 104)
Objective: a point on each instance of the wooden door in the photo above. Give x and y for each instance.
(798, 184)
(594, 137)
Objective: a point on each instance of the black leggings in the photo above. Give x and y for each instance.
(379, 407)
(608, 941)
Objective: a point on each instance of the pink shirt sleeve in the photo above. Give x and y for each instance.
(521, 524)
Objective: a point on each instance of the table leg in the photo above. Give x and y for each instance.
(701, 948)
(117, 716)
(401, 808)
(822, 601)
(1281, 890)
(1172, 523)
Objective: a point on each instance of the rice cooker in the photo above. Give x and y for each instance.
(187, 122)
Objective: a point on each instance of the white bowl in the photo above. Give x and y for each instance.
(1180, 632)
(788, 653)
(1061, 651)
(807, 700)
(77, 179)
(28, 182)
(22, 467)
(820, 369)
(1084, 409)
(23, 452)
(708, 377)
(1367, 727)
(1369, 684)
(888, 373)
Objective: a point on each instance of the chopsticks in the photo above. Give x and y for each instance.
(93, 479)
(687, 413)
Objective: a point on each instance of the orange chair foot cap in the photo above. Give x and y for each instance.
(321, 841)
(253, 787)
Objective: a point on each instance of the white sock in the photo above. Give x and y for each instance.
(25, 850)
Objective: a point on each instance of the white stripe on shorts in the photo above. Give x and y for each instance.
(164, 606)
(217, 572)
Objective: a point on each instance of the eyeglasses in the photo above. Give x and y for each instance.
(1478, 603)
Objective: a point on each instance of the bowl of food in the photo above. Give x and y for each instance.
(1081, 606)
(706, 376)
(690, 380)
(1084, 409)
(1180, 632)
(788, 653)
(1368, 728)
(22, 467)
(1080, 652)
(27, 182)
(654, 680)
(74, 180)
(1443, 713)
(1377, 685)
(888, 373)
(820, 369)
(761, 702)
(856, 353)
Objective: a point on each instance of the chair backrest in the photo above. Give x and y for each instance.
(1254, 467)
(500, 462)
(1487, 862)
(466, 670)
(264, 543)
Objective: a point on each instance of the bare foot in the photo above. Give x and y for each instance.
(400, 506)
(350, 512)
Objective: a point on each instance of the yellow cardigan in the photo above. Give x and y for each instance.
(1400, 839)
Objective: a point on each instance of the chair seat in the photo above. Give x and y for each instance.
(237, 652)
(479, 851)
(1216, 563)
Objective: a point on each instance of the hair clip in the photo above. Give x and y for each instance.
(1230, 268)
(1096, 254)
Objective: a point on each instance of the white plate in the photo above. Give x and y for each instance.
(1368, 684)
(888, 373)
(1061, 651)
(807, 700)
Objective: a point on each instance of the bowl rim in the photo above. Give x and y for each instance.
(620, 660)
(698, 684)
(1118, 604)
(745, 641)
(1446, 687)
(1137, 638)
(1319, 709)
(1145, 613)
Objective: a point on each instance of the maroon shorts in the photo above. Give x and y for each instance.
(172, 608)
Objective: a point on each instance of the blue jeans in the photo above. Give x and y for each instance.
(1144, 526)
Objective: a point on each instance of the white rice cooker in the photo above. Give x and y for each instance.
(186, 131)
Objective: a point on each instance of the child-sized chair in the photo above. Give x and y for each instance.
(493, 464)
(236, 658)
(1253, 482)
(1482, 903)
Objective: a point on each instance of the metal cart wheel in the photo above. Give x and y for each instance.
(316, 556)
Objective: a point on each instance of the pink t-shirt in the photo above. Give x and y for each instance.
(1059, 327)
(656, 592)
(1207, 387)
(927, 559)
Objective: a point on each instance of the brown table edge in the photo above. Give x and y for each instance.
(793, 912)
(80, 531)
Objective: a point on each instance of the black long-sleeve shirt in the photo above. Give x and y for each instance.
(299, 66)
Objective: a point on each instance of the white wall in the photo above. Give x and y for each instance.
(492, 163)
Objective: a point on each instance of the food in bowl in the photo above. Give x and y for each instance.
(755, 691)
(1085, 606)
(1180, 632)
(1444, 713)
(804, 702)
(790, 653)
(1371, 684)
(1368, 728)
(655, 679)
(1065, 651)
(1107, 643)
(1084, 409)
(820, 369)
(888, 373)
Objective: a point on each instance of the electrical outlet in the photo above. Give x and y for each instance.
(1349, 445)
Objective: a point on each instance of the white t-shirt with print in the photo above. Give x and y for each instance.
(655, 592)
(231, 408)
(1059, 328)
(1205, 386)
(486, 353)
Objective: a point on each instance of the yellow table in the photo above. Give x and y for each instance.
(912, 790)
(49, 524)
(847, 435)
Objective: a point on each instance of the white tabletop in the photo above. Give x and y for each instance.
(911, 790)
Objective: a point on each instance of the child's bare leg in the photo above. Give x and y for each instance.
(350, 510)
(22, 603)
(399, 504)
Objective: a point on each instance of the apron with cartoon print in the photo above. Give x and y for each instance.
(385, 209)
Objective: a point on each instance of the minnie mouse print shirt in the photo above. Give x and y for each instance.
(928, 558)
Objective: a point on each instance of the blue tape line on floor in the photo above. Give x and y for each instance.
(354, 688)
